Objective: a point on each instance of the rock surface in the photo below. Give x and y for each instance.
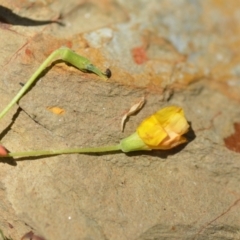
(178, 52)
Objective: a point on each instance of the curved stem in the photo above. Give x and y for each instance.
(64, 151)
(66, 55)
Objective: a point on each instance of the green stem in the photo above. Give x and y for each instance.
(64, 151)
(64, 54)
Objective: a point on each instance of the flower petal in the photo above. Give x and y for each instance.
(151, 132)
(164, 129)
(3, 151)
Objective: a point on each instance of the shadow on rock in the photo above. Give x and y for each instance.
(8, 17)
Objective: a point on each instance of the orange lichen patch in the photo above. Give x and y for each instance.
(41, 46)
(122, 76)
(139, 55)
(167, 74)
(28, 57)
(222, 56)
(233, 141)
(94, 53)
(28, 52)
(164, 65)
(56, 110)
(51, 44)
(68, 44)
(226, 14)
(159, 48)
(224, 6)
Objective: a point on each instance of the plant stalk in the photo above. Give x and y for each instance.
(64, 151)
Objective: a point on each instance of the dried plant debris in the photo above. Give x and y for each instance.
(56, 110)
(135, 108)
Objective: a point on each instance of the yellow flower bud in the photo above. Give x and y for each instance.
(162, 130)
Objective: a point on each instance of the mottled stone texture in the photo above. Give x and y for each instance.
(178, 52)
